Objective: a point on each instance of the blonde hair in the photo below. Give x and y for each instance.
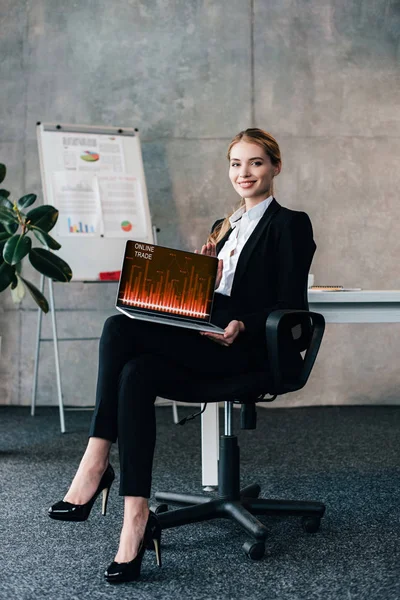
(269, 144)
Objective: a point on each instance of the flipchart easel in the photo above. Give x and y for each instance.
(112, 167)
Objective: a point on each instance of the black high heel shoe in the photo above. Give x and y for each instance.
(130, 571)
(66, 511)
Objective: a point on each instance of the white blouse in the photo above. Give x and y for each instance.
(243, 224)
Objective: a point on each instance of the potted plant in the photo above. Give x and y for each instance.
(16, 229)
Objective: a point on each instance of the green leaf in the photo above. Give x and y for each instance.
(7, 215)
(3, 172)
(4, 201)
(45, 239)
(37, 296)
(26, 201)
(7, 275)
(16, 248)
(44, 217)
(12, 228)
(50, 265)
(4, 193)
(4, 235)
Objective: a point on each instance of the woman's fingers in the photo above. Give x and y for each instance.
(208, 249)
(215, 337)
(231, 331)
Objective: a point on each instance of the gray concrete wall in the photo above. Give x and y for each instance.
(321, 75)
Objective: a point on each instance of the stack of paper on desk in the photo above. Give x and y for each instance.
(332, 288)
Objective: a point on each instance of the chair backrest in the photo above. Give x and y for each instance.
(284, 328)
(287, 332)
(302, 332)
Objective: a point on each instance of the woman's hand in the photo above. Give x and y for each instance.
(228, 337)
(211, 250)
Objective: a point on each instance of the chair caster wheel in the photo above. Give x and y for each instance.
(311, 524)
(254, 550)
(161, 508)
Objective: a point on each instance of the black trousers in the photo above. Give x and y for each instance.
(134, 359)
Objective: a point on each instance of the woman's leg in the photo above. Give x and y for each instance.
(115, 350)
(136, 513)
(137, 392)
(91, 468)
(139, 382)
(136, 441)
(117, 346)
(122, 339)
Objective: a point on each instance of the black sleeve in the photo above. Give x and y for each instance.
(294, 254)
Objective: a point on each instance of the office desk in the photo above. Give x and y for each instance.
(365, 306)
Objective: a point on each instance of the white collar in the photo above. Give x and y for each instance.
(256, 212)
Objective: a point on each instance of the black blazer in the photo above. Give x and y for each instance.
(272, 268)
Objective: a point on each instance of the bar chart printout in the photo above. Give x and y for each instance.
(80, 227)
(164, 280)
(76, 196)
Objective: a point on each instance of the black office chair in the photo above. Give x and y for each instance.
(286, 331)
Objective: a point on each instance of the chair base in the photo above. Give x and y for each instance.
(242, 510)
(233, 503)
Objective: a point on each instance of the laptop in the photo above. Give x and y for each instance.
(167, 286)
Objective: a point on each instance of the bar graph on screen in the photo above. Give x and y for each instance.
(166, 280)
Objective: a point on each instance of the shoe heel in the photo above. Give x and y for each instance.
(157, 547)
(104, 503)
(152, 537)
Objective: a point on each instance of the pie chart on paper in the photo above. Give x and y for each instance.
(126, 226)
(89, 156)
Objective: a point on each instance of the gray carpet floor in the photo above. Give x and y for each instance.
(347, 457)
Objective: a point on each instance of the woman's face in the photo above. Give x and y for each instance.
(251, 172)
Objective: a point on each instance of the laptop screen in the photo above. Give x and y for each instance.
(167, 281)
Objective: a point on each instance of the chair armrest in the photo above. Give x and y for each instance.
(280, 322)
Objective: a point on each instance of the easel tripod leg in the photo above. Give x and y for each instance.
(56, 356)
(37, 351)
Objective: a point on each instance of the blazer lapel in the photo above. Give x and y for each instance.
(250, 245)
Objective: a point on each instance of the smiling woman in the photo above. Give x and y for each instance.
(252, 170)
(264, 252)
(254, 160)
